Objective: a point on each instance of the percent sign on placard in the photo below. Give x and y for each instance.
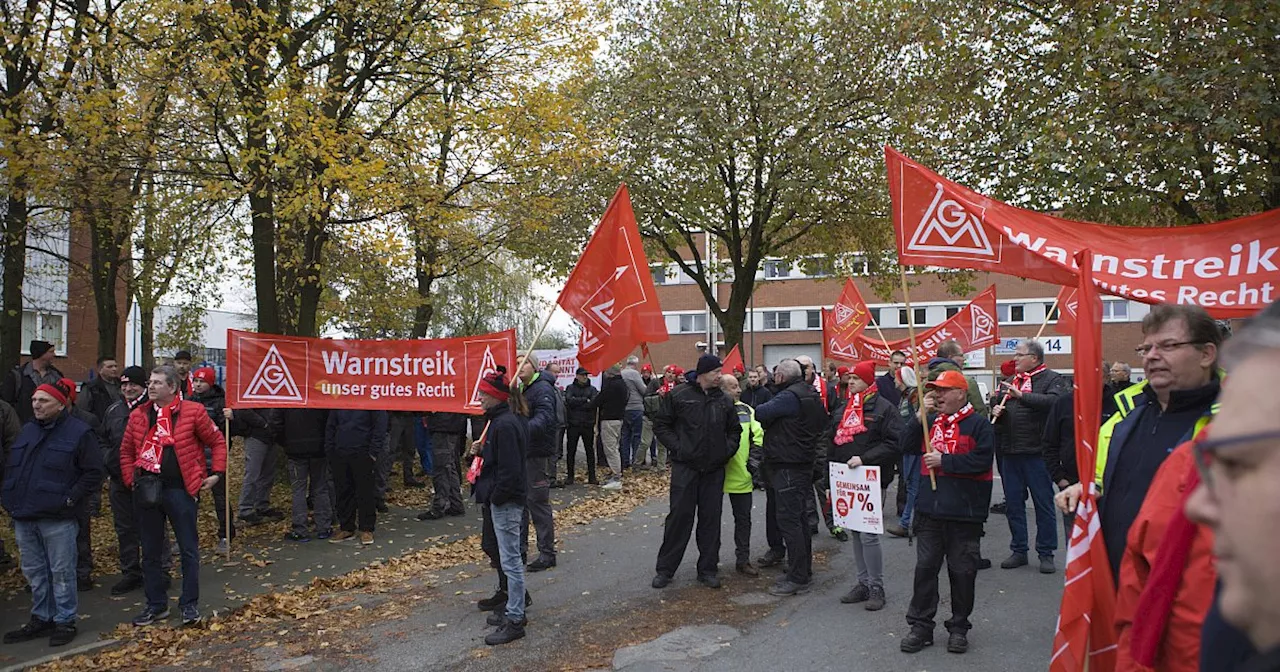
(865, 501)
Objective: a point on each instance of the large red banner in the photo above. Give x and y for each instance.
(1085, 637)
(974, 327)
(610, 291)
(843, 324)
(1231, 268)
(269, 371)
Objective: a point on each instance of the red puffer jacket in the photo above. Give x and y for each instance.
(192, 431)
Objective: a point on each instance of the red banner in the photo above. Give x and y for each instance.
(269, 371)
(844, 323)
(733, 361)
(1231, 268)
(610, 291)
(1086, 637)
(974, 327)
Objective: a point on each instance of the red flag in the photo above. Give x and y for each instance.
(1086, 637)
(1067, 308)
(1231, 268)
(610, 291)
(974, 327)
(733, 362)
(844, 323)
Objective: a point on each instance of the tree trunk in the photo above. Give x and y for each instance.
(147, 336)
(309, 282)
(258, 168)
(424, 255)
(15, 268)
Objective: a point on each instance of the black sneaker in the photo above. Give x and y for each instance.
(149, 616)
(493, 601)
(770, 559)
(382, 507)
(840, 534)
(500, 617)
(251, 519)
(876, 600)
(272, 514)
(62, 635)
(984, 563)
(709, 580)
(430, 514)
(543, 563)
(127, 585)
(916, 640)
(786, 588)
(34, 629)
(661, 580)
(505, 634)
(85, 585)
(191, 616)
(860, 593)
(1000, 507)
(957, 642)
(456, 512)
(294, 536)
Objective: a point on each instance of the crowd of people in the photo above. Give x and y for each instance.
(1186, 477)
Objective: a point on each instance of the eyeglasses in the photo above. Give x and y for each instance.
(1206, 451)
(1145, 349)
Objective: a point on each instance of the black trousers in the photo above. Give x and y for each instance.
(693, 494)
(740, 502)
(791, 487)
(586, 435)
(958, 543)
(353, 484)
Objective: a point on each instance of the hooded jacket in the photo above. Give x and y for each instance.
(578, 398)
(541, 393)
(50, 463)
(699, 427)
(502, 478)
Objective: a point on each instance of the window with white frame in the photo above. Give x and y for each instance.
(920, 316)
(659, 274)
(777, 320)
(1054, 311)
(1115, 311)
(816, 267)
(693, 323)
(952, 311)
(46, 326)
(813, 319)
(1011, 313)
(776, 268)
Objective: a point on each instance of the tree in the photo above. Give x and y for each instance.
(491, 296)
(758, 122)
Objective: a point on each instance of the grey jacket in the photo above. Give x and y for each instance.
(635, 389)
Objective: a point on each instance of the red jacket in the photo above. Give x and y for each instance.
(192, 431)
(1180, 646)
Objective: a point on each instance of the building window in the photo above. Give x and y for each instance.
(777, 320)
(952, 311)
(51, 327)
(1054, 311)
(875, 315)
(1115, 311)
(1011, 313)
(813, 319)
(816, 267)
(921, 317)
(694, 323)
(775, 268)
(659, 274)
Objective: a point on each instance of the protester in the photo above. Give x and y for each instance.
(301, 432)
(648, 445)
(1059, 448)
(162, 460)
(905, 383)
(756, 393)
(1008, 369)
(792, 422)
(401, 448)
(540, 393)
(182, 364)
(827, 394)
(887, 384)
(23, 380)
(611, 404)
(949, 519)
(1238, 494)
(740, 472)
(54, 464)
(501, 489)
(1027, 401)
(552, 372)
(951, 358)
(579, 399)
(103, 390)
(1179, 354)
(1118, 380)
(633, 420)
(352, 441)
(448, 431)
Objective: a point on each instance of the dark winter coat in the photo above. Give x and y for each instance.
(879, 446)
(612, 400)
(793, 420)
(244, 422)
(541, 394)
(301, 431)
(699, 427)
(578, 400)
(1059, 440)
(1024, 419)
(97, 395)
(447, 423)
(352, 433)
(50, 463)
(21, 385)
(964, 481)
(502, 479)
(754, 396)
(111, 433)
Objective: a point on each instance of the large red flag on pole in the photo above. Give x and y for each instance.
(733, 361)
(611, 292)
(1085, 637)
(1068, 304)
(844, 323)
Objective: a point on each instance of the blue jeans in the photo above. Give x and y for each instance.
(632, 428)
(506, 527)
(910, 480)
(48, 549)
(1023, 473)
(180, 510)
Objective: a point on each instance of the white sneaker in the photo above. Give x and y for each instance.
(612, 485)
(223, 547)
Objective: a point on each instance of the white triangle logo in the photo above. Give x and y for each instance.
(983, 324)
(273, 381)
(1072, 307)
(848, 350)
(487, 366)
(948, 227)
(843, 313)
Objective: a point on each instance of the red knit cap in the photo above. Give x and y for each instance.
(495, 385)
(58, 391)
(866, 370)
(205, 373)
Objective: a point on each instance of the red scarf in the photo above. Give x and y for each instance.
(1022, 381)
(852, 424)
(821, 386)
(667, 386)
(158, 438)
(946, 430)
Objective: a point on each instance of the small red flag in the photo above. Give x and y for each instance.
(1086, 637)
(611, 292)
(1068, 303)
(843, 324)
(733, 362)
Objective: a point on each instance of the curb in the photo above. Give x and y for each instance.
(65, 653)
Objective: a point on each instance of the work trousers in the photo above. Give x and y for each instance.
(695, 495)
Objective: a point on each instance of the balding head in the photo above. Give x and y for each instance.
(729, 384)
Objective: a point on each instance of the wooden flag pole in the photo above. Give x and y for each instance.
(226, 486)
(529, 351)
(1047, 316)
(915, 365)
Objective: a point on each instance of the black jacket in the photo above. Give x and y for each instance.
(578, 400)
(111, 433)
(51, 462)
(244, 422)
(755, 396)
(20, 386)
(299, 430)
(447, 423)
(964, 481)
(1059, 440)
(612, 400)
(793, 420)
(879, 446)
(541, 394)
(502, 478)
(97, 395)
(1023, 419)
(353, 433)
(699, 427)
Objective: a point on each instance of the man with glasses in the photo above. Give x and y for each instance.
(1180, 355)
(1238, 496)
